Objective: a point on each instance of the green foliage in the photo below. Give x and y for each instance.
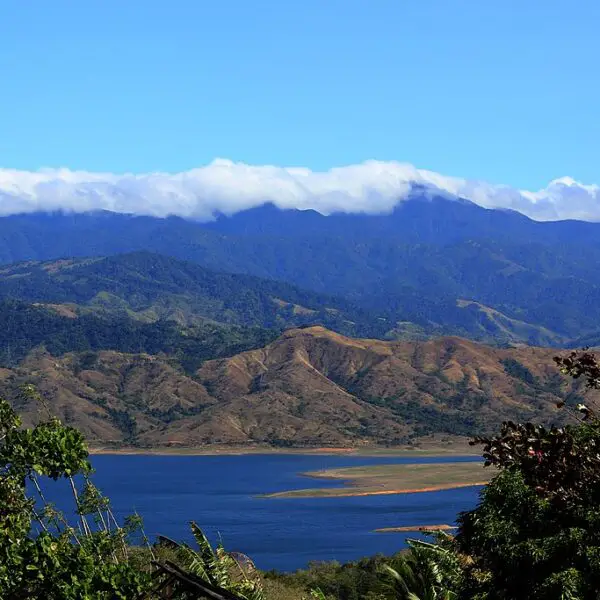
(149, 287)
(516, 369)
(429, 571)
(423, 572)
(358, 580)
(524, 545)
(42, 556)
(581, 364)
(216, 566)
(24, 327)
(535, 531)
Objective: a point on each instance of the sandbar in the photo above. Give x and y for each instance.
(383, 480)
(415, 528)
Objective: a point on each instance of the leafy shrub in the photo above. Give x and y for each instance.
(42, 555)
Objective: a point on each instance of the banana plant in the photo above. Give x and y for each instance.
(425, 573)
(221, 568)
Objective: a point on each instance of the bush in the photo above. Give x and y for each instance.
(42, 555)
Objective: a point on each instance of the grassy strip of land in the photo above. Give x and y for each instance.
(376, 480)
(415, 528)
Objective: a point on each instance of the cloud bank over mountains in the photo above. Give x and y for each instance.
(227, 187)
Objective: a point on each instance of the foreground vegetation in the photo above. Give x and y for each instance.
(534, 534)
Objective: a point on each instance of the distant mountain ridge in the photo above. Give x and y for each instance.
(422, 218)
(373, 187)
(432, 266)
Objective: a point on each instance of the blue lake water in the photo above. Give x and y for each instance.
(220, 494)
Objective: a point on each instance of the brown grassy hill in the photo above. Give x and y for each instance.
(310, 387)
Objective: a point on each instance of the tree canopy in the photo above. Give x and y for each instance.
(536, 531)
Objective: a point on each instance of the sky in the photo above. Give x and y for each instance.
(505, 92)
(312, 103)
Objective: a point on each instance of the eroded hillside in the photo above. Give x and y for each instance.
(310, 387)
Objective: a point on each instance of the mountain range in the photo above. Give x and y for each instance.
(308, 388)
(143, 302)
(292, 328)
(373, 187)
(433, 266)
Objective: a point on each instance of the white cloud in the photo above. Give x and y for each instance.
(372, 187)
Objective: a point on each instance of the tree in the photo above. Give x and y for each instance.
(42, 555)
(536, 531)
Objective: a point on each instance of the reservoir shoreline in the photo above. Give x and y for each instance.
(344, 493)
(441, 451)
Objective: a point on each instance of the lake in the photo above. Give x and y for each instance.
(220, 494)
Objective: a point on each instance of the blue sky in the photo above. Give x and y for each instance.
(505, 91)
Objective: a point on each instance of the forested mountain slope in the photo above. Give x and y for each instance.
(434, 266)
(149, 287)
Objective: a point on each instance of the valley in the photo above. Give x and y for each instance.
(285, 329)
(299, 301)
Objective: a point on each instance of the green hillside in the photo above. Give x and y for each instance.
(150, 288)
(429, 268)
(25, 327)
